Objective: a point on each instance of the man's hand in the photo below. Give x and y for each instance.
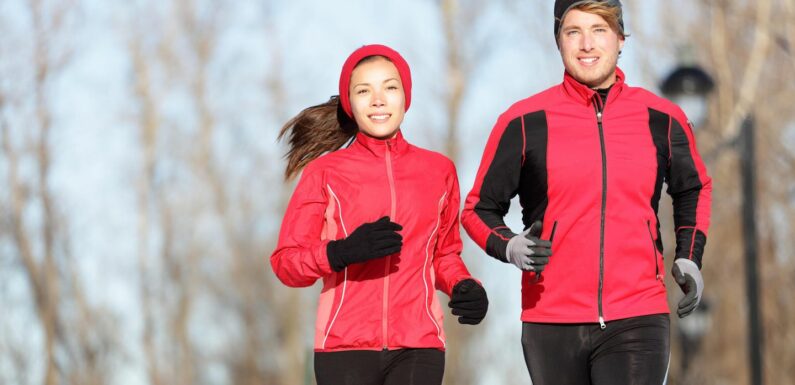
(688, 277)
(469, 302)
(527, 251)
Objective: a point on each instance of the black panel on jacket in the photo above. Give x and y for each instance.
(659, 123)
(684, 186)
(534, 182)
(499, 185)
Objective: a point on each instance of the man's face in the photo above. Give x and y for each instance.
(589, 48)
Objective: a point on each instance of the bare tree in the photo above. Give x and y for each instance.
(77, 341)
(149, 126)
(467, 47)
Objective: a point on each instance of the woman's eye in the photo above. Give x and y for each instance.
(361, 92)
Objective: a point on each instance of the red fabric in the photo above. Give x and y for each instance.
(373, 50)
(568, 291)
(388, 302)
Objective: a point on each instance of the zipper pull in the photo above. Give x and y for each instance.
(599, 117)
(602, 323)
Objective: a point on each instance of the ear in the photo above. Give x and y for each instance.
(620, 43)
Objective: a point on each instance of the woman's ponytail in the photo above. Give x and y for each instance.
(315, 131)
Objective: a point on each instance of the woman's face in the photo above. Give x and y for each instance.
(377, 98)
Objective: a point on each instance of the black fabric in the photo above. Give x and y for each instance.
(500, 184)
(469, 302)
(519, 167)
(369, 241)
(603, 92)
(684, 186)
(689, 245)
(658, 125)
(386, 367)
(534, 183)
(627, 352)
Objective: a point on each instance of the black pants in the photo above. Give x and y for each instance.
(386, 367)
(631, 351)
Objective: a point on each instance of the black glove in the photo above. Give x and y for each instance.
(369, 241)
(469, 302)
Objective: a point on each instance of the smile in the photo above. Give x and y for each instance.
(379, 117)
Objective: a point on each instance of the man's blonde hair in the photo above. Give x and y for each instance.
(612, 14)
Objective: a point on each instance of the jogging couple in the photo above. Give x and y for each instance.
(377, 219)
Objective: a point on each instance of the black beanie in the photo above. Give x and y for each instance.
(563, 6)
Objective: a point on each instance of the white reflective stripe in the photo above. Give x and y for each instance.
(339, 209)
(665, 379)
(424, 266)
(345, 277)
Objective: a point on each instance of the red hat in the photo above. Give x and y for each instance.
(373, 50)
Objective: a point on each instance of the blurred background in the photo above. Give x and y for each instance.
(141, 184)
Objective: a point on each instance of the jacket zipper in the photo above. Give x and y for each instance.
(384, 310)
(599, 108)
(654, 248)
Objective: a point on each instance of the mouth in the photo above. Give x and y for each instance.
(379, 118)
(588, 61)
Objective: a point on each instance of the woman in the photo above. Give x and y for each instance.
(377, 221)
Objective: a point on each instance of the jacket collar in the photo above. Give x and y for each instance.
(378, 147)
(583, 94)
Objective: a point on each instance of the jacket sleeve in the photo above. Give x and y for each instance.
(496, 182)
(691, 190)
(300, 256)
(447, 262)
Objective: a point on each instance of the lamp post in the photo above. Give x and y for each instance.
(747, 150)
(691, 332)
(688, 86)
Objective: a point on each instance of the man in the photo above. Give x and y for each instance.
(588, 159)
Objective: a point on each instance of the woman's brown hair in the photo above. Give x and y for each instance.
(315, 131)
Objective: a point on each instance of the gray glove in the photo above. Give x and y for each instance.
(688, 277)
(527, 252)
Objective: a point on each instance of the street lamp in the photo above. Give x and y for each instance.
(688, 86)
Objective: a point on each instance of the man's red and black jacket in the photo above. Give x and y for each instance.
(593, 172)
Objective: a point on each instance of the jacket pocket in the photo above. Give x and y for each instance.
(654, 251)
(552, 233)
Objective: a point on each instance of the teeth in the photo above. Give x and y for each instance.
(379, 117)
(589, 60)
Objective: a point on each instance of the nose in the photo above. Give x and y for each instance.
(378, 99)
(586, 43)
